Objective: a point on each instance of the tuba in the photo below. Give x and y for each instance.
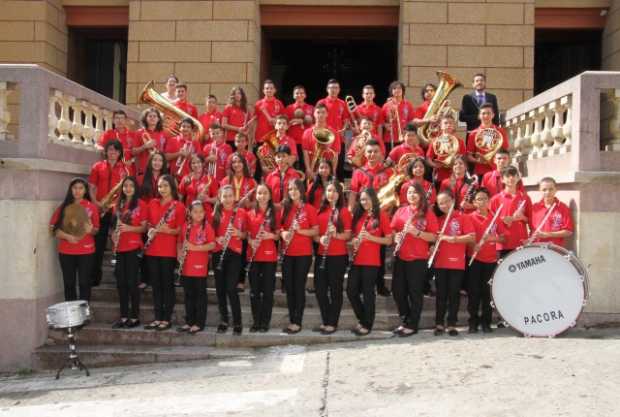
(446, 84)
(267, 151)
(446, 148)
(488, 140)
(388, 194)
(172, 114)
(324, 138)
(358, 159)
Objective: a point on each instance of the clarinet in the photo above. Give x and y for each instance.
(403, 234)
(441, 232)
(153, 232)
(227, 237)
(471, 189)
(330, 222)
(356, 249)
(292, 229)
(261, 229)
(185, 247)
(117, 234)
(429, 192)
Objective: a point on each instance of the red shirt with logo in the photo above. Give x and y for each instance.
(405, 113)
(296, 131)
(273, 107)
(196, 263)
(353, 149)
(420, 111)
(414, 248)
(427, 186)
(187, 107)
(517, 232)
(222, 152)
(190, 187)
(492, 181)
(373, 112)
(249, 157)
(129, 241)
(164, 244)
(86, 245)
(126, 138)
(370, 176)
(235, 116)
(452, 255)
(105, 176)
(560, 219)
(404, 149)
(337, 115)
(174, 145)
(267, 250)
(458, 187)
(488, 251)
(306, 219)
(206, 119)
(368, 253)
(337, 247)
(241, 187)
(481, 169)
(317, 198)
(239, 222)
(308, 144)
(142, 158)
(278, 183)
(443, 172)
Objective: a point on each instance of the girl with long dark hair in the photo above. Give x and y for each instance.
(155, 168)
(416, 171)
(316, 190)
(236, 115)
(199, 185)
(150, 138)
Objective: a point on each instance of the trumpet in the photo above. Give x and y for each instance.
(352, 108)
(360, 144)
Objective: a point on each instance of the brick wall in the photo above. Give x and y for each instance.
(611, 38)
(33, 31)
(463, 38)
(211, 45)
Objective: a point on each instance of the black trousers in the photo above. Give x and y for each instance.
(380, 281)
(244, 261)
(328, 283)
(262, 284)
(448, 283)
(195, 289)
(161, 273)
(362, 284)
(126, 273)
(101, 241)
(408, 282)
(76, 268)
(226, 282)
(479, 292)
(295, 274)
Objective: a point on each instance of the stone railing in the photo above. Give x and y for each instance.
(45, 115)
(574, 125)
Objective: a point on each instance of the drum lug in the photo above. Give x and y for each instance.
(500, 260)
(492, 304)
(490, 282)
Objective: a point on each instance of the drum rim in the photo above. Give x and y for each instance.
(564, 252)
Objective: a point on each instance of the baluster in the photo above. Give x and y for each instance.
(98, 123)
(535, 137)
(545, 135)
(518, 143)
(107, 118)
(52, 117)
(64, 124)
(526, 145)
(5, 115)
(76, 127)
(566, 103)
(89, 131)
(614, 122)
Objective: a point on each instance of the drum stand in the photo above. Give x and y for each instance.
(73, 360)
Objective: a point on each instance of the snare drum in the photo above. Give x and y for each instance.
(68, 314)
(540, 289)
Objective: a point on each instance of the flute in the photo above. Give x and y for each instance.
(328, 237)
(403, 234)
(443, 229)
(540, 226)
(485, 234)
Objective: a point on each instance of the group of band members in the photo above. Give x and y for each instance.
(178, 202)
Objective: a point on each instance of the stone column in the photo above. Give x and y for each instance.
(611, 38)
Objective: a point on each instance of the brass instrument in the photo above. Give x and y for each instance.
(352, 107)
(446, 147)
(489, 140)
(74, 220)
(172, 114)
(396, 114)
(388, 194)
(324, 138)
(359, 146)
(108, 200)
(447, 83)
(267, 151)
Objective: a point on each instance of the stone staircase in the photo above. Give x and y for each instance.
(100, 345)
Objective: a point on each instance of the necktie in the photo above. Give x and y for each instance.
(480, 99)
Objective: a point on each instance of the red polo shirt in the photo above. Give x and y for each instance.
(405, 113)
(317, 198)
(129, 241)
(452, 255)
(196, 262)
(560, 219)
(273, 107)
(307, 218)
(376, 176)
(481, 169)
(492, 181)
(296, 131)
(125, 137)
(222, 151)
(235, 116)
(517, 232)
(206, 119)
(420, 111)
(249, 157)
(105, 176)
(275, 184)
(413, 248)
(187, 107)
(267, 250)
(337, 247)
(164, 244)
(352, 149)
(241, 188)
(427, 186)
(443, 173)
(459, 189)
(240, 223)
(142, 158)
(190, 187)
(86, 245)
(373, 112)
(308, 143)
(368, 253)
(488, 251)
(404, 149)
(337, 115)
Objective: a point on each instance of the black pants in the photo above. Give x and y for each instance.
(195, 289)
(408, 282)
(244, 261)
(448, 283)
(380, 281)
(479, 292)
(362, 283)
(126, 273)
(295, 274)
(80, 265)
(101, 240)
(226, 282)
(161, 274)
(328, 285)
(262, 284)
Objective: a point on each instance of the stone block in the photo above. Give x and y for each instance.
(197, 94)
(144, 72)
(432, 34)
(510, 35)
(421, 75)
(510, 78)
(507, 98)
(425, 12)
(132, 51)
(424, 56)
(529, 11)
(175, 51)
(23, 10)
(17, 31)
(135, 12)
(235, 9)
(485, 13)
(43, 31)
(212, 72)
(528, 57)
(485, 56)
(234, 52)
(149, 31)
(22, 52)
(212, 31)
(177, 10)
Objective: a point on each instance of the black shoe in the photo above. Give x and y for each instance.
(501, 325)
(438, 331)
(384, 292)
(472, 329)
(253, 329)
(453, 332)
(222, 327)
(120, 324)
(398, 329)
(132, 323)
(263, 329)
(311, 290)
(405, 332)
(162, 327)
(183, 329)
(486, 329)
(237, 330)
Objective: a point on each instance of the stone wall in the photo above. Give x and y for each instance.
(211, 45)
(495, 38)
(34, 31)
(611, 38)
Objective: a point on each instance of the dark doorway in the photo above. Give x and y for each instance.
(311, 56)
(562, 54)
(98, 60)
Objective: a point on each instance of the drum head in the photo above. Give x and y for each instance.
(539, 290)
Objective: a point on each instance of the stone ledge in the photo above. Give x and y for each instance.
(28, 164)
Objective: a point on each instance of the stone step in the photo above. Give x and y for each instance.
(100, 334)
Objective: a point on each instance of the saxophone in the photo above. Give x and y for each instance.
(330, 223)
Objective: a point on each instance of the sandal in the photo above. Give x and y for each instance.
(163, 326)
(152, 325)
(183, 329)
(194, 329)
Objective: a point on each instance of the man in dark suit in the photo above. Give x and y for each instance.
(470, 105)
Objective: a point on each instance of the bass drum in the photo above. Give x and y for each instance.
(540, 289)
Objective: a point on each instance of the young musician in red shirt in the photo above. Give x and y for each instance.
(299, 226)
(334, 221)
(76, 253)
(229, 223)
(183, 103)
(236, 116)
(104, 176)
(155, 168)
(409, 145)
(338, 119)
(149, 138)
(299, 115)
(355, 154)
(278, 180)
(427, 93)
(444, 143)
(198, 185)
(481, 269)
(241, 148)
(281, 125)
(263, 233)
(310, 145)
(196, 240)
(130, 215)
(266, 109)
(240, 179)
(369, 110)
(492, 180)
(171, 88)
(180, 149)
(415, 172)
(459, 185)
(474, 151)
(210, 116)
(415, 226)
(216, 153)
(316, 191)
(449, 262)
(165, 220)
(396, 108)
(370, 230)
(559, 224)
(119, 132)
